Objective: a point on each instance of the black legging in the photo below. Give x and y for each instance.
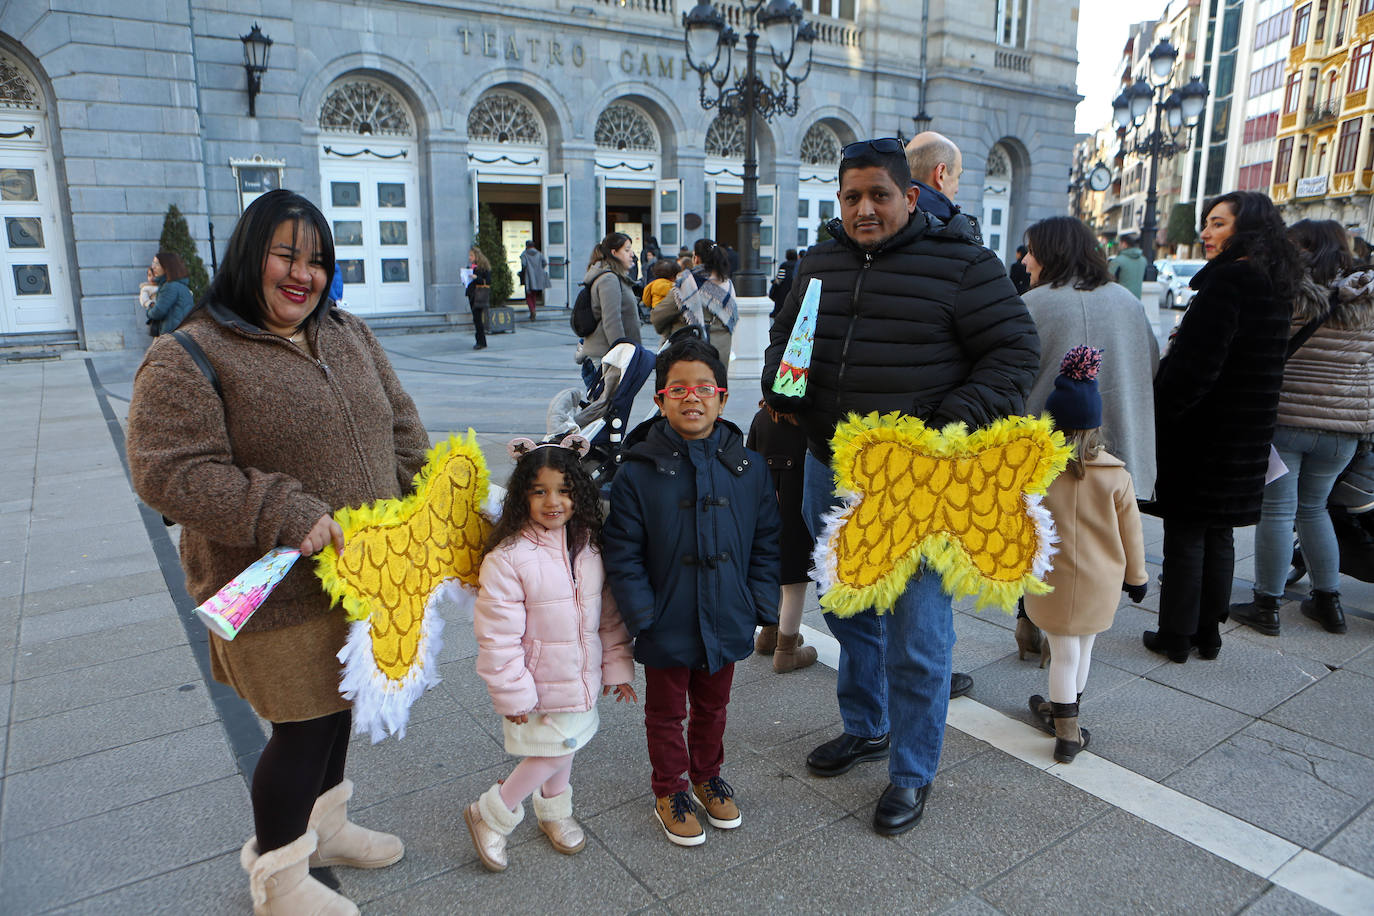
(302, 761)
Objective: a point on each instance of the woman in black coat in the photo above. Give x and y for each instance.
(1216, 400)
(479, 295)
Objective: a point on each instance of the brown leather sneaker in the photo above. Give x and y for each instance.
(718, 799)
(679, 821)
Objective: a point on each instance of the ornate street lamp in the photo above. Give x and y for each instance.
(710, 50)
(256, 47)
(1177, 111)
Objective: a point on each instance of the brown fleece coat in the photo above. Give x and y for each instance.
(294, 438)
(1100, 548)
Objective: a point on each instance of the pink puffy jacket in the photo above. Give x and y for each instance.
(548, 635)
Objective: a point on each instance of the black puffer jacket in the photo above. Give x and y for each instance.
(927, 324)
(1217, 397)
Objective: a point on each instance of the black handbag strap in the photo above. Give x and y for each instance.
(1306, 331)
(199, 358)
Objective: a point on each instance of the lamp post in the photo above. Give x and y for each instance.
(710, 49)
(1180, 109)
(256, 47)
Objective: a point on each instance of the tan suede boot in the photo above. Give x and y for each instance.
(345, 843)
(1028, 638)
(766, 641)
(281, 884)
(557, 822)
(791, 654)
(1069, 738)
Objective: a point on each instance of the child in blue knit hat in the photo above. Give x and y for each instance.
(1101, 550)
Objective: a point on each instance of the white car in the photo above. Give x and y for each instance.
(1173, 281)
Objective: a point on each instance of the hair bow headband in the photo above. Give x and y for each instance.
(521, 446)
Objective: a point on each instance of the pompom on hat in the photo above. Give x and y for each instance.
(1075, 402)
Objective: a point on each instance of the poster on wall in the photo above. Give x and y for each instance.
(514, 234)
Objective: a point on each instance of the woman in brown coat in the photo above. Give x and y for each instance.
(1101, 550)
(307, 417)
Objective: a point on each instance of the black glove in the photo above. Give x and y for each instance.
(1136, 593)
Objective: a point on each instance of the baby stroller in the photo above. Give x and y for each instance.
(601, 413)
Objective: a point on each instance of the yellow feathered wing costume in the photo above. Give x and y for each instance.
(400, 558)
(967, 504)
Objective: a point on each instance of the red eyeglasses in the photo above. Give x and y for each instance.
(678, 392)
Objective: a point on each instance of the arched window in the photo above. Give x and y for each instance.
(504, 117)
(625, 127)
(364, 106)
(821, 146)
(999, 166)
(17, 88)
(725, 137)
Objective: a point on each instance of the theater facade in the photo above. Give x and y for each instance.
(404, 121)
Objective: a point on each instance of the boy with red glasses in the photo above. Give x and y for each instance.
(691, 554)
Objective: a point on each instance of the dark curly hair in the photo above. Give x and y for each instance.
(1324, 247)
(1260, 236)
(584, 527)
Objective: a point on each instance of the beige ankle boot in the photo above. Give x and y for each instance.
(490, 822)
(766, 641)
(791, 654)
(556, 821)
(345, 843)
(281, 884)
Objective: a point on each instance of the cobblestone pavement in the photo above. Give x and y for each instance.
(1240, 785)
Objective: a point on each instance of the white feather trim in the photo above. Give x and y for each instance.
(825, 568)
(491, 508)
(1045, 535)
(381, 706)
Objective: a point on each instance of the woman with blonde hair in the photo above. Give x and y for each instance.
(479, 294)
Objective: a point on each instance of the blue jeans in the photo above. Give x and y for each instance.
(1315, 458)
(898, 661)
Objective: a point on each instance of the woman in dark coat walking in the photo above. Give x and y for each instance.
(1216, 401)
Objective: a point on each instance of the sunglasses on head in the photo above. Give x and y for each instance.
(883, 145)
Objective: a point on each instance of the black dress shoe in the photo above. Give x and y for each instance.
(959, 684)
(1174, 647)
(839, 756)
(899, 809)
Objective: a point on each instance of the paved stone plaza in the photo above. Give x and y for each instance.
(1240, 785)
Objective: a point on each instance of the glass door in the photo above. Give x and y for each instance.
(553, 216)
(668, 214)
(373, 209)
(34, 291)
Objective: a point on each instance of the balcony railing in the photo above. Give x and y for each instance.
(828, 31)
(1324, 113)
(1012, 60)
(665, 7)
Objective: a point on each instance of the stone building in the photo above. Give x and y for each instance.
(567, 118)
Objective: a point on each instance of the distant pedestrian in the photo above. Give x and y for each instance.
(548, 642)
(174, 300)
(613, 297)
(703, 297)
(307, 417)
(1020, 277)
(534, 275)
(1128, 267)
(936, 165)
(782, 283)
(479, 294)
(1101, 550)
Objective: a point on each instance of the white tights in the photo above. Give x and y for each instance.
(1070, 657)
(552, 773)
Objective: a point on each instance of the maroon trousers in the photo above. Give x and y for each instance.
(666, 695)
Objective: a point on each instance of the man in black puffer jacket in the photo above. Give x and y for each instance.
(916, 317)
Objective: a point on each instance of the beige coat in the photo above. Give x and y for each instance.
(1100, 548)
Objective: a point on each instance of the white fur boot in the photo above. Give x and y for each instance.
(281, 884)
(490, 822)
(556, 820)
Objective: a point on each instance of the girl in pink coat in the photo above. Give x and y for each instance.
(548, 641)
